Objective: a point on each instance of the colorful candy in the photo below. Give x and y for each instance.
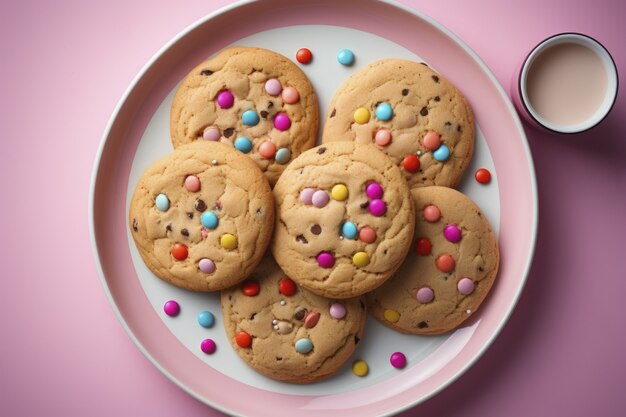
(192, 183)
(320, 198)
(361, 115)
(162, 202)
(209, 220)
(392, 316)
(423, 247)
(290, 95)
(384, 112)
(411, 163)
(250, 118)
(483, 176)
(345, 57)
(206, 319)
(304, 55)
(228, 241)
(445, 263)
(360, 368)
(287, 287)
(442, 153)
(398, 360)
(250, 287)
(374, 190)
(243, 144)
(339, 192)
(465, 286)
(208, 346)
(326, 260)
(171, 308)
(306, 196)
(225, 99)
(282, 121)
(267, 149)
(337, 311)
(211, 133)
(382, 137)
(311, 319)
(349, 230)
(377, 207)
(425, 295)
(452, 233)
(180, 251)
(367, 234)
(431, 141)
(361, 259)
(206, 265)
(304, 345)
(431, 213)
(283, 155)
(243, 339)
(273, 87)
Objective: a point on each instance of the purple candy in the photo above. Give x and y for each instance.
(326, 260)
(377, 207)
(281, 121)
(452, 233)
(425, 295)
(374, 190)
(337, 311)
(211, 133)
(206, 265)
(171, 308)
(306, 196)
(465, 286)
(225, 99)
(398, 360)
(208, 346)
(320, 198)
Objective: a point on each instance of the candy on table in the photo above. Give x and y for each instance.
(171, 308)
(360, 368)
(208, 346)
(304, 55)
(345, 57)
(206, 319)
(483, 176)
(398, 360)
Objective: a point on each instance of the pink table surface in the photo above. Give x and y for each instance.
(64, 66)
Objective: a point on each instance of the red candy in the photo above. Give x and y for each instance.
(311, 319)
(445, 263)
(243, 339)
(423, 247)
(287, 287)
(411, 163)
(304, 56)
(180, 251)
(367, 234)
(267, 149)
(482, 176)
(250, 287)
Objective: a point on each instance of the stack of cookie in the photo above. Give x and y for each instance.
(366, 219)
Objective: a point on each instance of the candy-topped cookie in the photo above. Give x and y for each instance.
(256, 100)
(345, 219)
(286, 332)
(202, 217)
(409, 112)
(449, 272)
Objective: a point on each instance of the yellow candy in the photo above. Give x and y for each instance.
(361, 259)
(361, 115)
(391, 316)
(228, 241)
(339, 192)
(360, 368)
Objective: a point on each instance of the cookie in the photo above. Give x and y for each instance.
(202, 217)
(411, 113)
(345, 219)
(253, 99)
(286, 332)
(450, 270)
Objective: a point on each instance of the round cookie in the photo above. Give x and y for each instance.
(251, 98)
(202, 217)
(409, 112)
(345, 219)
(450, 270)
(286, 332)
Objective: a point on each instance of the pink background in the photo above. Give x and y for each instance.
(63, 350)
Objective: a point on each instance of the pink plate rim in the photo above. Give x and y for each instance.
(398, 23)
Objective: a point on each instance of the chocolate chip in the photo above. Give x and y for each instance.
(301, 238)
(437, 98)
(481, 269)
(333, 113)
(259, 212)
(316, 229)
(458, 128)
(405, 92)
(200, 205)
(321, 150)
(252, 316)
(422, 325)
(365, 205)
(423, 178)
(264, 114)
(424, 111)
(278, 358)
(135, 225)
(228, 132)
(435, 78)
(206, 72)
(190, 215)
(385, 252)
(300, 314)
(184, 232)
(447, 125)
(270, 104)
(357, 339)
(169, 227)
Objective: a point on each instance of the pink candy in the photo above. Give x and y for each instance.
(273, 87)
(290, 95)
(452, 233)
(171, 308)
(431, 140)
(374, 190)
(225, 99)
(326, 260)
(282, 122)
(382, 137)
(320, 198)
(192, 183)
(377, 207)
(306, 196)
(337, 311)
(465, 286)
(208, 346)
(398, 360)
(211, 133)
(206, 265)
(425, 295)
(431, 213)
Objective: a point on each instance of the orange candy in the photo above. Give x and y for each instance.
(411, 163)
(367, 234)
(180, 251)
(267, 149)
(287, 287)
(243, 339)
(250, 287)
(445, 263)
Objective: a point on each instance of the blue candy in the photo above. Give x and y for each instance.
(345, 57)
(243, 144)
(384, 111)
(162, 202)
(349, 230)
(250, 118)
(283, 155)
(304, 345)
(442, 153)
(209, 220)
(206, 319)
